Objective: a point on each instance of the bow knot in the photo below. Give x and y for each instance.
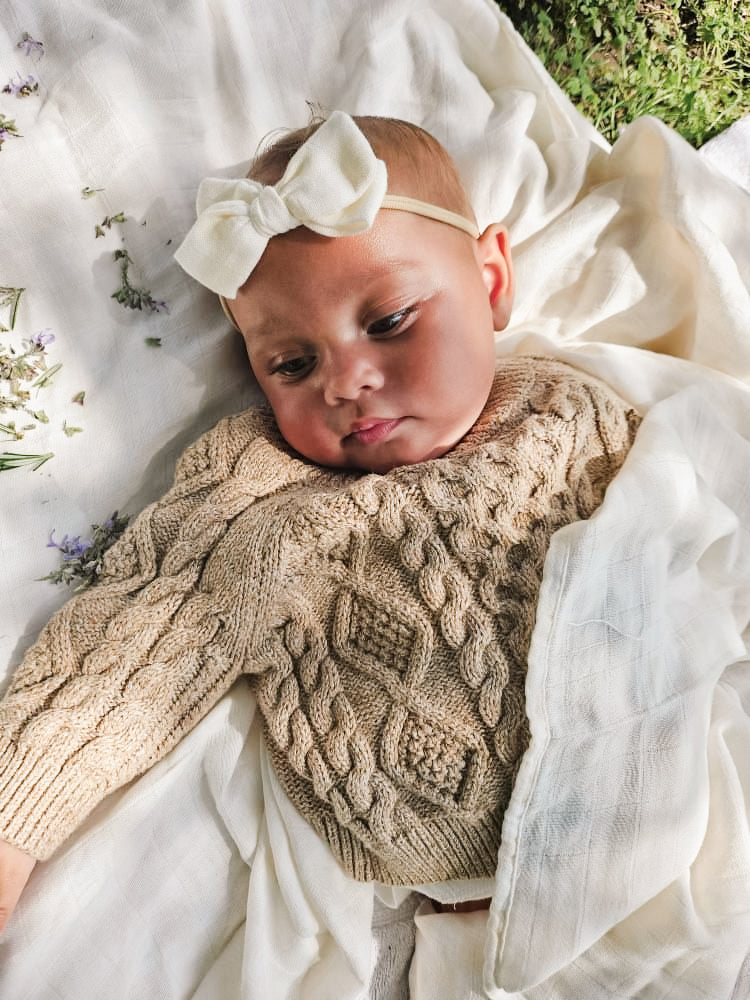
(269, 213)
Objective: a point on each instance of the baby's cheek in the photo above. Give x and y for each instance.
(308, 435)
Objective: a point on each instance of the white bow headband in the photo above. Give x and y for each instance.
(334, 185)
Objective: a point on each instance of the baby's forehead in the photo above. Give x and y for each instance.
(344, 264)
(302, 273)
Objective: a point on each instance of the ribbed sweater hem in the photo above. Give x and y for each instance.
(438, 850)
(40, 805)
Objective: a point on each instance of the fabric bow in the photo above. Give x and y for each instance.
(334, 184)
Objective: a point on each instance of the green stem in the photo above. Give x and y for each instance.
(13, 460)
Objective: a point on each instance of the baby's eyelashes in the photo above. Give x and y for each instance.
(392, 323)
(293, 368)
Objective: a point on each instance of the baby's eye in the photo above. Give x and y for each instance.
(294, 368)
(389, 324)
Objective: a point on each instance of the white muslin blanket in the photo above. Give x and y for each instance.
(629, 819)
(625, 864)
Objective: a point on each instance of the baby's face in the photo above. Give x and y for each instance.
(376, 350)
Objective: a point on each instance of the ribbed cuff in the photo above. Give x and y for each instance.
(41, 802)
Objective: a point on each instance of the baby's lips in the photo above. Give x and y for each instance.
(375, 430)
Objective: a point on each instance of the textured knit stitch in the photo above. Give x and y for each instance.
(384, 622)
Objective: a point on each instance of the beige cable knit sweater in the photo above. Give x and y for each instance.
(384, 622)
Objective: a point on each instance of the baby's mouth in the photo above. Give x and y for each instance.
(374, 430)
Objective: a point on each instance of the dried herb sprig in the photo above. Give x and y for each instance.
(82, 558)
(8, 129)
(28, 366)
(107, 222)
(10, 297)
(22, 370)
(129, 296)
(12, 460)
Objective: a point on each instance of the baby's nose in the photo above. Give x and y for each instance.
(350, 373)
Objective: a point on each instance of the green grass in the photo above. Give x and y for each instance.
(685, 61)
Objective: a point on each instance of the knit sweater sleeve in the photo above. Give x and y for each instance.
(108, 687)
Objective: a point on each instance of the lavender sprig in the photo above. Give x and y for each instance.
(30, 364)
(23, 369)
(129, 296)
(22, 87)
(82, 558)
(30, 46)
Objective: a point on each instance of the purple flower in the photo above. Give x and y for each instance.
(82, 560)
(42, 339)
(70, 548)
(21, 87)
(30, 46)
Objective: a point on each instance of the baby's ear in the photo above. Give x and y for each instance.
(493, 248)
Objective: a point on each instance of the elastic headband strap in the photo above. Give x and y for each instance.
(228, 313)
(424, 208)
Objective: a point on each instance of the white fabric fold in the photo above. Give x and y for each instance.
(629, 812)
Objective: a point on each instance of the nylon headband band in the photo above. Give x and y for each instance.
(403, 204)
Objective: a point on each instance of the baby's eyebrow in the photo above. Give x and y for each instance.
(266, 329)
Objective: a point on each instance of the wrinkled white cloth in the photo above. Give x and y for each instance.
(630, 812)
(729, 151)
(624, 875)
(448, 955)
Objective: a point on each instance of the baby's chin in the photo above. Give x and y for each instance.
(413, 454)
(401, 458)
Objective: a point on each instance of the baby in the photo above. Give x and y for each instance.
(367, 549)
(323, 318)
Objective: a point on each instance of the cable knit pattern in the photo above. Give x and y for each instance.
(384, 622)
